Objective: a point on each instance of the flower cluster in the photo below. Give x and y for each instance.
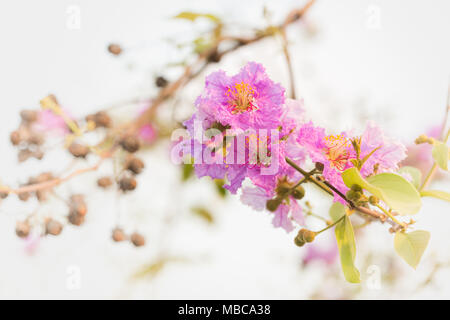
(245, 128)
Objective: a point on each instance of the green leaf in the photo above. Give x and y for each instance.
(347, 249)
(415, 174)
(188, 170)
(337, 210)
(192, 16)
(397, 192)
(440, 154)
(203, 213)
(411, 246)
(436, 194)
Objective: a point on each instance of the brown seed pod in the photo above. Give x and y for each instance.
(24, 155)
(22, 229)
(15, 137)
(101, 119)
(114, 49)
(24, 196)
(135, 165)
(130, 144)
(75, 218)
(161, 82)
(118, 235)
(29, 115)
(127, 184)
(78, 150)
(137, 239)
(104, 182)
(36, 139)
(78, 205)
(3, 195)
(53, 227)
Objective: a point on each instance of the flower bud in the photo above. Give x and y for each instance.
(75, 218)
(319, 166)
(373, 200)
(298, 193)
(114, 49)
(15, 138)
(273, 204)
(356, 187)
(306, 235)
(161, 82)
(299, 242)
(104, 182)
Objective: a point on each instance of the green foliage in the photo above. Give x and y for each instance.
(436, 194)
(345, 238)
(411, 246)
(337, 210)
(415, 174)
(398, 193)
(192, 16)
(203, 213)
(440, 154)
(187, 171)
(219, 187)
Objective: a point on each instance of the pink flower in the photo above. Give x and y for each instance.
(326, 255)
(49, 121)
(147, 133)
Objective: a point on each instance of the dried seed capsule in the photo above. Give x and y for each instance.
(75, 218)
(118, 235)
(130, 144)
(29, 115)
(127, 183)
(161, 82)
(104, 182)
(78, 150)
(135, 165)
(53, 227)
(137, 239)
(78, 205)
(22, 229)
(24, 196)
(114, 49)
(15, 138)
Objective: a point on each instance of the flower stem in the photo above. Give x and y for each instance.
(332, 225)
(403, 225)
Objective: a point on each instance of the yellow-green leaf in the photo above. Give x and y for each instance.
(192, 16)
(436, 194)
(440, 154)
(203, 213)
(345, 238)
(397, 192)
(415, 174)
(337, 210)
(411, 246)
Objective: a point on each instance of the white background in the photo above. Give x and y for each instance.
(395, 72)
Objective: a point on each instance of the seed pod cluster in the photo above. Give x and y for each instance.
(27, 138)
(304, 236)
(40, 194)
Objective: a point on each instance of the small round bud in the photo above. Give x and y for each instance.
(161, 82)
(22, 229)
(78, 150)
(356, 188)
(78, 205)
(299, 242)
(135, 165)
(306, 235)
(114, 49)
(273, 204)
(319, 166)
(104, 182)
(15, 138)
(53, 227)
(130, 144)
(214, 57)
(137, 239)
(127, 184)
(101, 119)
(298, 193)
(373, 200)
(118, 235)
